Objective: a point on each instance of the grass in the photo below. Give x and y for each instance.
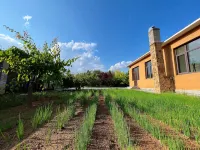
(41, 115)
(143, 121)
(82, 136)
(120, 125)
(20, 129)
(179, 111)
(64, 116)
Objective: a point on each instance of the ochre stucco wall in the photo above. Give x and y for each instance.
(143, 82)
(190, 81)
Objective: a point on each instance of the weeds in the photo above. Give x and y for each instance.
(41, 115)
(20, 129)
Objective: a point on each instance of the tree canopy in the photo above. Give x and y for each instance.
(32, 64)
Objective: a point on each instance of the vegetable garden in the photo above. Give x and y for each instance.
(109, 119)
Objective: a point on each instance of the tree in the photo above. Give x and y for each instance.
(32, 64)
(120, 78)
(68, 81)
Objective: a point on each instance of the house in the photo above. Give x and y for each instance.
(172, 65)
(3, 77)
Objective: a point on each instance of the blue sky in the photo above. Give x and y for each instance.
(108, 34)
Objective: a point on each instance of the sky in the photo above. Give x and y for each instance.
(106, 34)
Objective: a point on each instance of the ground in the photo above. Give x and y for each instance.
(141, 122)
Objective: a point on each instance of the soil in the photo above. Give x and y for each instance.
(48, 138)
(142, 139)
(10, 134)
(103, 137)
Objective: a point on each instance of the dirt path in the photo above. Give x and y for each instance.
(103, 137)
(143, 139)
(47, 138)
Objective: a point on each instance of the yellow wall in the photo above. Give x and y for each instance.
(190, 81)
(143, 82)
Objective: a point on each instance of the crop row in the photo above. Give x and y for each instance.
(179, 111)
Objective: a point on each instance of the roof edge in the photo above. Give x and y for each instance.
(140, 58)
(188, 28)
(182, 32)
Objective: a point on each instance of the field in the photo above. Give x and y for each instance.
(109, 119)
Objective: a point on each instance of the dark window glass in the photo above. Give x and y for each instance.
(148, 68)
(135, 73)
(188, 57)
(193, 45)
(181, 63)
(194, 60)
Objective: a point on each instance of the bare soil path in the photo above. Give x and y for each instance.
(48, 138)
(103, 137)
(144, 141)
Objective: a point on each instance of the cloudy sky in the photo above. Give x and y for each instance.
(107, 35)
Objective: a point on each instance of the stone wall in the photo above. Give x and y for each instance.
(162, 83)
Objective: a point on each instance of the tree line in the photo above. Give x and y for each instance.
(96, 78)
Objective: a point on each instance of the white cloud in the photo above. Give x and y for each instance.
(120, 65)
(86, 51)
(27, 18)
(79, 45)
(7, 41)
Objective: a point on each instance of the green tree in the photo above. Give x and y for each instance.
(120, 78)
(32, 64)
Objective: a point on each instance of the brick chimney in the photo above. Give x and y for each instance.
(161, 82)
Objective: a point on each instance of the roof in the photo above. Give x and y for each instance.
(188, 28)
(180, 33)
(140, 58)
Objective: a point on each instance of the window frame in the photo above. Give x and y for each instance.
(185, 53)
(146, 67)
(133, 76)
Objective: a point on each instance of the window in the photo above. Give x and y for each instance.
(188, 57)
(148, 69)
(135, 73)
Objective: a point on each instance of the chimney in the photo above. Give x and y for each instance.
(154, 35)
(161, 82)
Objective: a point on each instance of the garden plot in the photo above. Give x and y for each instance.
(143, 140)
(103, 136)
(160, 115)
(117, 119)
(37, 116)
(56, 134)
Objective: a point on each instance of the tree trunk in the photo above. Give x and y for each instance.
(30, 94)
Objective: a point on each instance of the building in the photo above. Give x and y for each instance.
(172, 65)
(3, 77)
